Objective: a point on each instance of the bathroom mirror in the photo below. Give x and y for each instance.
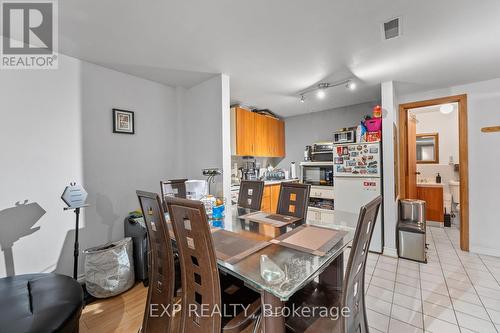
(428, 148)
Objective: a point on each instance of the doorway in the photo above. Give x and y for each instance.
(408, 153)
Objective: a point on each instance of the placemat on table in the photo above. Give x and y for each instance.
(232, 247)
(311, 239)
(276, 220)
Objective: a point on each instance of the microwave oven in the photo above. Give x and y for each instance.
(344, 136)
(317, 174)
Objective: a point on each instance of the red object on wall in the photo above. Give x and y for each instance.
(377, 111)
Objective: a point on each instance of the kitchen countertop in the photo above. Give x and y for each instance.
(268, 182)
(273, 182)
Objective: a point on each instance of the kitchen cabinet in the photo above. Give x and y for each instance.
(266, 200)
(433, 196)
(245, 132)
(275, 194)
(270, 198)
(262, 131)
(253, 134)
(322, 192)
(319, 215)
(281, 139)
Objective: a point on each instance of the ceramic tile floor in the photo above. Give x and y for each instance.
(455, 291)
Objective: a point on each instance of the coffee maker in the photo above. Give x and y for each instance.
(249, 171)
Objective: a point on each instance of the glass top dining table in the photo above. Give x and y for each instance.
(300, 267)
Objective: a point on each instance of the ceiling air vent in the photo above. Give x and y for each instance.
(392, 28)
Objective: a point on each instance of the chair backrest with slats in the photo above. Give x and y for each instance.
(172, 188)
(200, 275)
(353, 292)
(293, 199)
(161, 261)
(250, 195)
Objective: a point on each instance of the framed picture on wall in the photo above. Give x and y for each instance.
(123, 121)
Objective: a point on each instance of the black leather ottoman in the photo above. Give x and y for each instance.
(40, 303)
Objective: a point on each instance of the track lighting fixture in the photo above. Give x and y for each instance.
(320, 88)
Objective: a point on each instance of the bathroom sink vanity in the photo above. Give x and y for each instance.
(432, 194)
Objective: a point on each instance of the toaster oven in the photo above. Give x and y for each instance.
(322, 152)
(345, 135)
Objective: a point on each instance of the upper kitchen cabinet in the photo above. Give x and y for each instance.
(262, 137)
(245, 131)
(253, 134)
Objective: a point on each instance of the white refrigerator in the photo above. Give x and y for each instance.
(357, 181)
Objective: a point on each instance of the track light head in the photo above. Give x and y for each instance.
(350, 85)
(321, 93)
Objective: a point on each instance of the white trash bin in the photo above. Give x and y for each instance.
(109, 269)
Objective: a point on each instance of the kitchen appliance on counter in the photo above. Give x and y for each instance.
(317, 173)
(307, 153)
(196, 189)
(344, 135)
(322, 152)
(249, 171)
(276, 174)
(293, 170)
(357, 177)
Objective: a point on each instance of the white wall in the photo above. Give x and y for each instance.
(307, 129)
(57, 128)
(390, 120)
(204, 120)
(447, 127)
(484, 178)
(41, 145)
(116, 165)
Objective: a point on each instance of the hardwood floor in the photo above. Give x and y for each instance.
(122, 313)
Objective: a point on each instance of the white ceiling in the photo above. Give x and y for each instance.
(274, 49)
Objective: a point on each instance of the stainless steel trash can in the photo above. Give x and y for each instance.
(411, 241)
(412, 210)
(411, 230)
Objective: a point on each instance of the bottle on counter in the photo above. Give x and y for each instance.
(293, 170)
(438, 179)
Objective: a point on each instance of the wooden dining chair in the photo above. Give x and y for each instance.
(172, 188)
(161, 264)
(293, 199)
(352, 295)
(250, 195)
(200, 275)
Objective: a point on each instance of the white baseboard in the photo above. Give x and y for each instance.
(485, 251)
(390, 252)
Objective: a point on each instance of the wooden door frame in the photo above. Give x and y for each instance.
(463, 158)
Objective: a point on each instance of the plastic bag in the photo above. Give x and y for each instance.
(109, 269)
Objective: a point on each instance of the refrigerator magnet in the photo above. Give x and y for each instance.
(338, 160)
